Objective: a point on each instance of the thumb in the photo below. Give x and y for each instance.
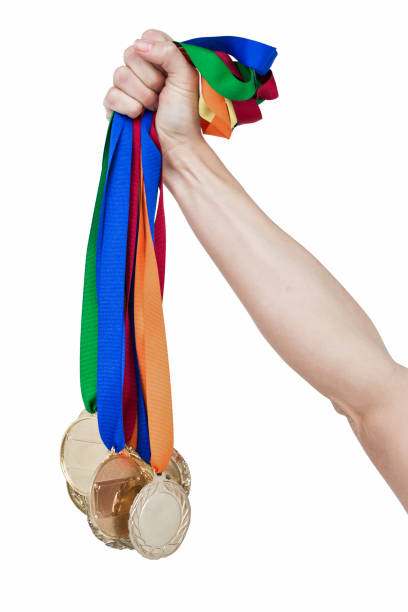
(167, 56)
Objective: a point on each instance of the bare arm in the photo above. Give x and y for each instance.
(305, 314)
(300, 308)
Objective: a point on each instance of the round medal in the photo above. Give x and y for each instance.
(82, 450)
(159, 518)
(114, 486)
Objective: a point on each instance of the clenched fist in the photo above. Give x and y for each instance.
(157, 76)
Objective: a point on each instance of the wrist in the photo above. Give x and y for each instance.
(182, 157)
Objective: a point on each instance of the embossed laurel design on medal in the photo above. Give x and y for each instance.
(115, 484)
(159, 518)
(82, 450)
(81, 501)
(179, 471)
(119, 544)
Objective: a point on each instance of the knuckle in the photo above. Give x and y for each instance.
(169, 48)
(135, 110)
(150, 32)
(111, 98)
(120, 76)
(129, 55)
(157, 82)
(150, 98)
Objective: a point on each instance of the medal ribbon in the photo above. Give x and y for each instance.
(124, 362)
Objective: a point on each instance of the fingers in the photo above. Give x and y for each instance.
(116, 100)
(135, 86)
(165, 54)
(147, 73)
(128, 82)
(156, 35)
(148, 63)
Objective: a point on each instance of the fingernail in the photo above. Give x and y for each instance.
(143, 45)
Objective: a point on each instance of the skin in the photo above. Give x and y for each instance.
(281, 284)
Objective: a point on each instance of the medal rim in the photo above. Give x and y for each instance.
(177, 491)
(79, 500)
(82, 416)
(183, 469)
(117, 543)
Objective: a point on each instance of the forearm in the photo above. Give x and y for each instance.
(300, 308)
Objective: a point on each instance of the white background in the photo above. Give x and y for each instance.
(288, 513)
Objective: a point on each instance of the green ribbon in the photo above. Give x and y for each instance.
(218, 75)
(89, 321)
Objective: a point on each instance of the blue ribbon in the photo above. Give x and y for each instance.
(151, 164)
(110, 284)
(110, 278)
(249, 52)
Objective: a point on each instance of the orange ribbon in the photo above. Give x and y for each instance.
(220, 120)
(151, 345)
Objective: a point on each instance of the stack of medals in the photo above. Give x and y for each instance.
(118, 457)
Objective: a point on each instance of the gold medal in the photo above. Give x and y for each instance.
(159, 518)
(106, 486)
(82, 450)
(115, 484)
(119, 543)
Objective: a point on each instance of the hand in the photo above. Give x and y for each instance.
(157, 76)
